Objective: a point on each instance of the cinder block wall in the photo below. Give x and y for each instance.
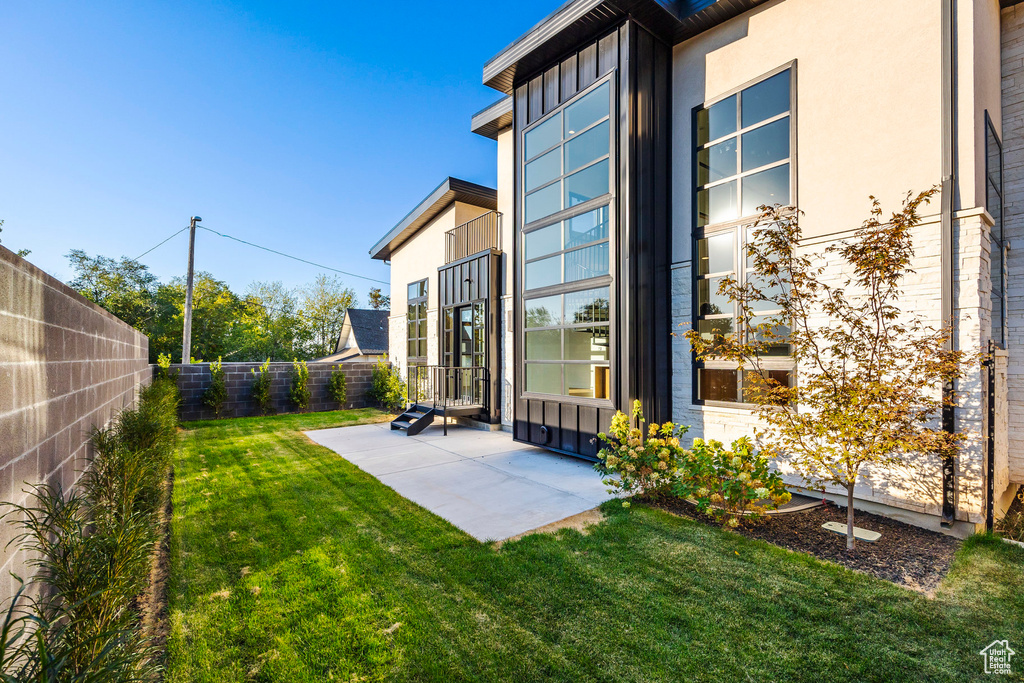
(66, 366)
(193, 380)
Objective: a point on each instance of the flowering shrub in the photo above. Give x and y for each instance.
(729, 483)
(647, 461)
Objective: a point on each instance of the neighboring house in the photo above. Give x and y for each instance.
(363, 338)
(635, 139)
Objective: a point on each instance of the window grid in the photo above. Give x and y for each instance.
(737, 134)
(998, 251)
(416, 323)
(582, 256)
(722, 374)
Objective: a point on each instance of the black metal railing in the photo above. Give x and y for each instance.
(479, 234)
(449, 387)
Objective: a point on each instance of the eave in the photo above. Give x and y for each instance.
(492, 120)
(444, 195)
(579, 21)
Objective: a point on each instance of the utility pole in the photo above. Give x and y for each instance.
(186, 335)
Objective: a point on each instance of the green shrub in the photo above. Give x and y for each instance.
(300, 394)
(217, 393)
(91, 553)
(261, 388)
(386, 387)
(644, 463)
(729, 484)
(163, 366)
(337, 387)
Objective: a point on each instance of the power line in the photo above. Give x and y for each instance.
(161, 244)
(294, 258)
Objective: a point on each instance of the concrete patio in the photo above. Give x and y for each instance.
(482, 482)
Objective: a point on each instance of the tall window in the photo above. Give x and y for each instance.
(994, 203)
(566, 280)
(417, 323)
(743, 160)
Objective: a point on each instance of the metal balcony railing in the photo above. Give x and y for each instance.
(479, 234)
(449, 387)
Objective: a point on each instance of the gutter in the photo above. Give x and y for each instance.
(948, 206)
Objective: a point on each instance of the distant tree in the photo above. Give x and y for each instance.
(126, 288)
(270, 324)
(218, 324)
(379, 300)
(870, 369)
(20, 252)
(322, 310)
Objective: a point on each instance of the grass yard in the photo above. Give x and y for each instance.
(290, 564)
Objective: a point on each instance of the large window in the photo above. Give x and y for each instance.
(565, 254)
(417, 322)
(743, 159)
(744, 151)
(997, 254)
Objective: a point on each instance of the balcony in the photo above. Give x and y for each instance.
(480, 234)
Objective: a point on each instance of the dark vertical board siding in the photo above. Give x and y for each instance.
(522, 109)
(553, 421)
(640, 366)
(570, 428)
(550, 89)
(588, 66)
(474, 279)
(568, 77)
(536, 99)
(536, 409)
(588, 431)
(607, 53)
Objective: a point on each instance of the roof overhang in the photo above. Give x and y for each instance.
(492, 120)
(447, 193)
(579, 21)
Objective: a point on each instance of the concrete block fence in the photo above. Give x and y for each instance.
(194, 379)
(66, 366)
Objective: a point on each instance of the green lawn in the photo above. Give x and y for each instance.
(290, 564)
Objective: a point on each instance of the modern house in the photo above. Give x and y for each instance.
(635, 139)
(363, 337)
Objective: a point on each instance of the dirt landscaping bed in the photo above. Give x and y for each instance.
(906, 555)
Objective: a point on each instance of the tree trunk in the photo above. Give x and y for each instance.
(849, 517)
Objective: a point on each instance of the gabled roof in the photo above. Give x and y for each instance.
(444, 195)
(370, 329)
(578, 21)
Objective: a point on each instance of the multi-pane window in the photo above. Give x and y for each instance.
(567, 343)
(744, 151)
(416, 319)
(567, 156)
(743, 160)
(566, 257)
(997, 255)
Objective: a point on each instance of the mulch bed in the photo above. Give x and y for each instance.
(906, 555)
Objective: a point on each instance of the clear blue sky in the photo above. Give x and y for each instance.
(308, 127)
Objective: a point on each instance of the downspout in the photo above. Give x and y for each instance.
(949, 145)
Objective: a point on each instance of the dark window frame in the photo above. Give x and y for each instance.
(566, 213)
(739, 227)
(417, 359)
(997, 238)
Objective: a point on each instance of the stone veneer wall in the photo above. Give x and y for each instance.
(194, 379)
(66, 366)
(1013, 217)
